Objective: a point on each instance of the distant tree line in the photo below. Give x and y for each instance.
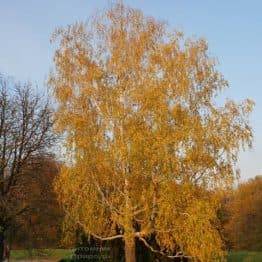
(241, 216)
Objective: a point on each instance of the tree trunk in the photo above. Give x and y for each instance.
(130, 250)
(1, 246)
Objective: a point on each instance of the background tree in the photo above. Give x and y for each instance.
(25, 133)
(244, 224)
(40, 227)
(148, 145)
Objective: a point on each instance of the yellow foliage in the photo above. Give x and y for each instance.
(147, 141)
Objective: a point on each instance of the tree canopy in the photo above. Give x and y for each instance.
(147, 142)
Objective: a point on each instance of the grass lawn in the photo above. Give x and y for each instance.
(52, 254)
(57, 254)
(245, 256)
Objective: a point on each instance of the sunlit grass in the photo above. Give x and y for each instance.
(245, 256)
(41, 253)
(57, 254)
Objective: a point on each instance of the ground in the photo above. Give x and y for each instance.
(52, 255)
(42, 255)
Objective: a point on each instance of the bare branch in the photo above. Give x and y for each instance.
(99, 237)
(178, 255)
(26, 123)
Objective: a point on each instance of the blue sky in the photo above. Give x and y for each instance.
(233, 30)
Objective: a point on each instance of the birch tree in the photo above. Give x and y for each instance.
(147, 144)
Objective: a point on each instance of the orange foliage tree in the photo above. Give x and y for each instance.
(244, 224)
(145, 139)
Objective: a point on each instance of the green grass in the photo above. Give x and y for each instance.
(41, 254)
(245, 256)
(57, 254)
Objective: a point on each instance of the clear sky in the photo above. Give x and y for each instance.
(233, 30)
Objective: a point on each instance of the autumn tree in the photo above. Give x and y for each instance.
(244, 223)
(147, 145)
(40, 226)
(25, 133)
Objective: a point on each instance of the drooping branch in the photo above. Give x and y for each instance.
(178, 255)
(107, 238)
(97, 236)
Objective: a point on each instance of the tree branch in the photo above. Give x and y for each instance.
(99, 237)
(178, 255)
